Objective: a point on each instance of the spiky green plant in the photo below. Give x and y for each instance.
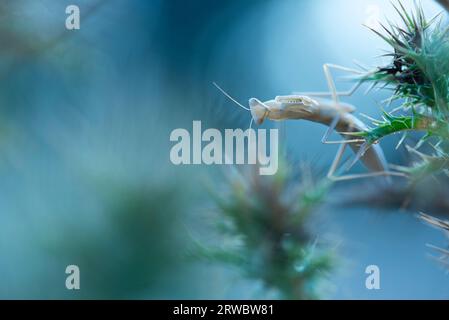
(419, 71)
(418, 77)
(266, 224)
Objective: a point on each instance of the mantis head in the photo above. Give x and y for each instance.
(258, 110)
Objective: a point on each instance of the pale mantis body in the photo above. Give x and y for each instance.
(332, 113)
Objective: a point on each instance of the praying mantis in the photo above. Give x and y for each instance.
(332, 113)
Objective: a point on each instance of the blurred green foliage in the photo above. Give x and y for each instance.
(265, 222)
(139, 246)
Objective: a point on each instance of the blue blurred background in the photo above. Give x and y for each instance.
(84, 146)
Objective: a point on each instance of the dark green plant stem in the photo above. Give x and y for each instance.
(397, 124)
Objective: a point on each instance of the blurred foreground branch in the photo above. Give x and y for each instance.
(443, 225)
(264, 219)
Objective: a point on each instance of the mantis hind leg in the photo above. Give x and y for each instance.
(367, 175)
(332, 89)
(335, 164)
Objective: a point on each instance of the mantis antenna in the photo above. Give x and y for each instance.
(235, 101)
(229, 97)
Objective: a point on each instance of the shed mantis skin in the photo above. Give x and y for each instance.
(332, 113)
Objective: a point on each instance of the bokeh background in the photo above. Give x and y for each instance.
(85, 118)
